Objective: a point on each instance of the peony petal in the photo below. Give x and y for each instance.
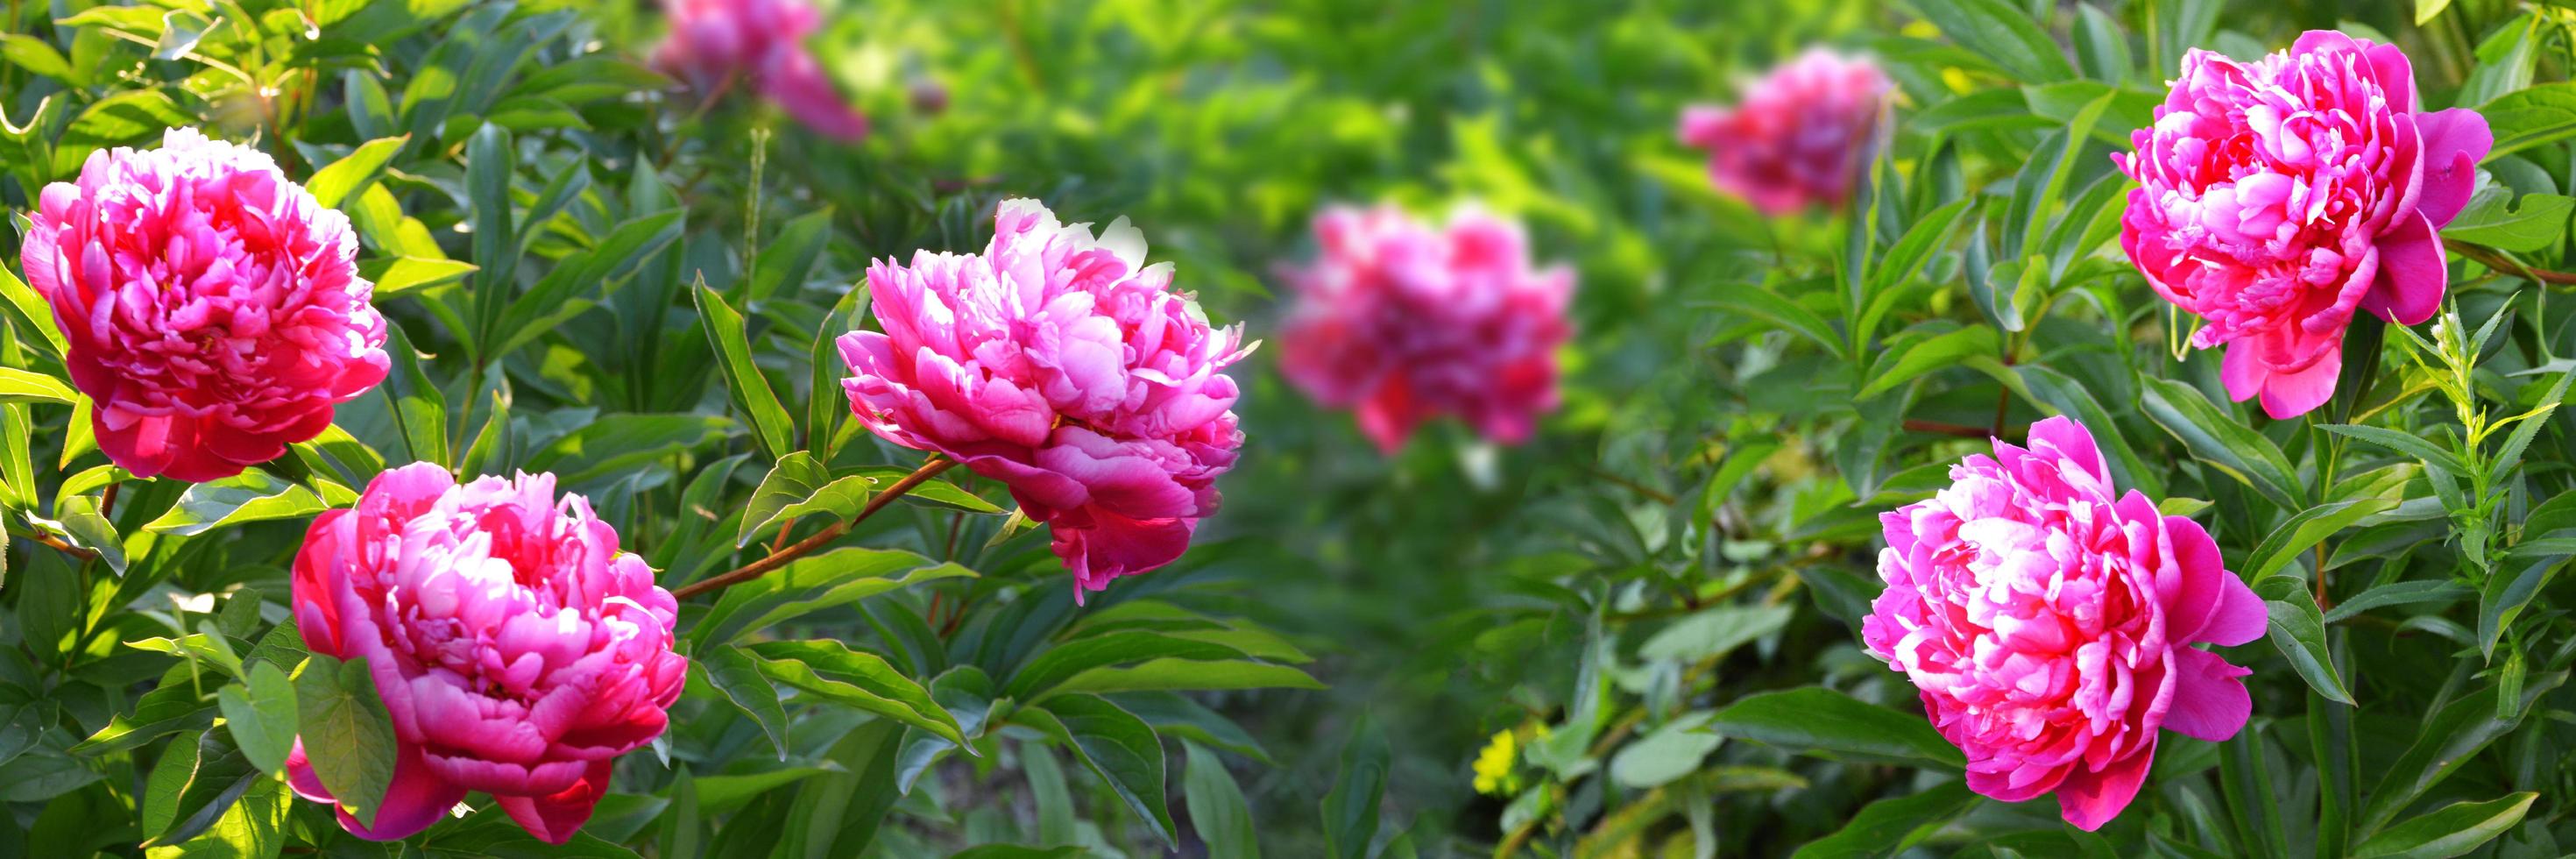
(2089, 799)
(555, 817)
(2412, 274)
(2209, 702)
(2455, 141)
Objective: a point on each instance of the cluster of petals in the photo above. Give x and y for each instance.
(1799, 134)
(518, 651)
(1402, 321)
(210, 308)
(2278, 196)
(718, 44)
(2049, 625)
(1066, 368)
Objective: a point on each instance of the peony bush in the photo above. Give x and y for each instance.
(705, 428)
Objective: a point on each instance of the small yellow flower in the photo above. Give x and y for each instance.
(1494, 775)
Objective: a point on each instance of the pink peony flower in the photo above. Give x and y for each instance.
(716, 43)
(1799, 136)
(2050, 627)
(2277, 196)
(212, 309)
(519, 652)
(1063, 367)
(1405, 321)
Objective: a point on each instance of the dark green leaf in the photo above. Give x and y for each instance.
(348, 736)
(1823, 722)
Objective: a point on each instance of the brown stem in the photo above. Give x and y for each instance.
(2501, 263)
(63, 547)
(1660, 496)
(107, 501)
(800, 548)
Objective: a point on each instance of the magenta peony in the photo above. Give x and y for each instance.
(1404, 321)
(2050, 626)
(716, 44)
(1065, 368)
(519, 652)
(2277, 196)
(1800, 134)
(212, 309)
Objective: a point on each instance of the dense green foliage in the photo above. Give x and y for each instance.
(1656, 599)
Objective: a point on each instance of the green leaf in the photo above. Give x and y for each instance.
(1820, 721)
(38, 56)
(1121, 748)
(29, 312)
(799, 485)
(1217, 809)
(813, 583)
(1754, 301)
(733, 673)
(490, 161)
(399, 274)
(2397, 594)
(1177, 673)
(789, 257)
(2101, 45)
(169, 708)
(1065, 661)
(251, 496)
(2306, 530)
(831, 671)
(751, 392)
(2454, 830)
(2538, 115)
(1715, 632)
(559, 296)
(251, 825)
(1941, 351)
(2299, 630)
(351, 175)
(933, 493)
(348, 735)
(2069, 397)
(261, 714)
(615, 443)
(22, 386)
(1351, 808)
(1891, 826)
(2220, 440)
(1665, 754)
(2491, 219)
(2000, 33)
(2450, 737)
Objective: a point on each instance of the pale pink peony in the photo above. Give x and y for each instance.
(2050, 627)
(1404, 321)
(1799, 136)
(519, 652)
(2279, 195)
(212, 309)
(717, 44)
(1064, 367)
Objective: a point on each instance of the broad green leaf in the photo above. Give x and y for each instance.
(261, 714)
(1669, 752)
(2216, 438)
(615, 443)
(251, 496)
(399, 274)
(751, 392)
(934, 493)
(733, 673)
(2002, 33)
(831, 671)
(2299, 630)
(789, 257)
(1176, 673)
(813, 583)
(2538, 115)
(2453, 830)
(1121, 748)
(2069, 397)
(2306, 530)
(2415, 446)
(800, 482)
(2450, 737)
(2397, 594)
(1351, 807)
(1891, 826)
(38, 56)
(1938, 352)
(2493, 219)
(1820, 721)
(29, 312)
(1754, 301)
(352, 174)
(348, 735)
(22, 386)
(253, 823)
(1065, 661)
(1217, 810)
(1715, 632)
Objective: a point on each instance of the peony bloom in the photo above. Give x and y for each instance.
(519, 652)
(1064, 367)
(211, 308)
(1405, 321)
(2277, 196)
(715, 44)
(2050, 626)
(1799, 136)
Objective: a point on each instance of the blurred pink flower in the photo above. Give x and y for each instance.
(519, 652)
(211, 308)
(2050, 627)
(1405, 321)
(1800, 134)
(1064, 367)
(2276, 196)
(716, 43)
